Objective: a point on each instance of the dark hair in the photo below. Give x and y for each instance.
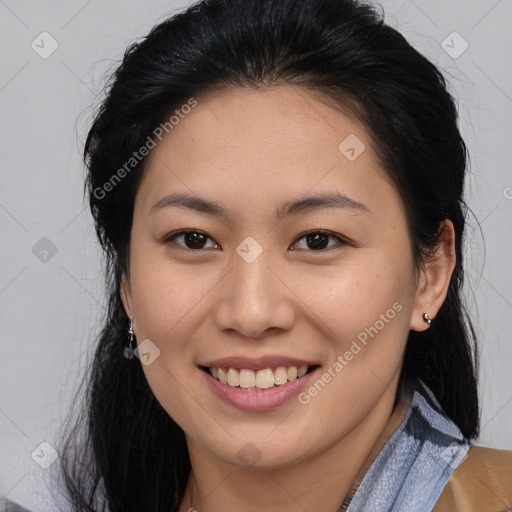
(131, 455)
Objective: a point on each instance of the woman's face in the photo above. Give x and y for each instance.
(248, 174)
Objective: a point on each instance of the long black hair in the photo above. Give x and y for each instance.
(124, 452)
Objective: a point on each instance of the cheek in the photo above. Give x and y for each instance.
(169, 307)
(367, 311)
(353, 295)
(182, 400)
(363, 308)
(166, 295)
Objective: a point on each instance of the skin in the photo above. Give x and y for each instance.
(250, 151)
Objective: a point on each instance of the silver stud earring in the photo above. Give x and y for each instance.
(427, 319)
(129, 350)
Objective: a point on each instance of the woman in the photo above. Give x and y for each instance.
(278, 189)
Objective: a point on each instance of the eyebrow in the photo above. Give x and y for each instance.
(309, 203)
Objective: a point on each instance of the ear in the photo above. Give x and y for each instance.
(434, 280)
(126, 295)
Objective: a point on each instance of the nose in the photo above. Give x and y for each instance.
(255, 299)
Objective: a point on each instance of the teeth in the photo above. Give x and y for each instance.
(265, 379)
(247, 379)
(262, 379)
(222, 376)
(291, 373)
(233, 378)
(302, 371)
(280, 376)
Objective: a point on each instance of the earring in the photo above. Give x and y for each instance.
(427, 319)
(129, 350)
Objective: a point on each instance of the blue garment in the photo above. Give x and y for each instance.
(413, 467)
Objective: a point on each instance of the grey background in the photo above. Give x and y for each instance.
(50, 308)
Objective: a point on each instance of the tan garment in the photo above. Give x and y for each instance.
(481, 483)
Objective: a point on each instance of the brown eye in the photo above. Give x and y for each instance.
(193, 240)
(319, 240)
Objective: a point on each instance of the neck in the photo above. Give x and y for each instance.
(321, 482)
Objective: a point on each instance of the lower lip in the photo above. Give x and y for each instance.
(258, 399)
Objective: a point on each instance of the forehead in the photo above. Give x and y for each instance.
(264, 143)
(286, 117)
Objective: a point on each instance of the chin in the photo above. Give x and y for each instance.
(259, 453)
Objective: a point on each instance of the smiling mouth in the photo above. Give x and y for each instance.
(267, 378)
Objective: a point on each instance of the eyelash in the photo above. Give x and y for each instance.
(341, 240)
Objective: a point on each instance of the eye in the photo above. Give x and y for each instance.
(193, 240)
(319, 240)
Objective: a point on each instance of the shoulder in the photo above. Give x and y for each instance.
(482, 481)
(9, 506)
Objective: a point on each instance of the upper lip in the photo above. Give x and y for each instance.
(258, 363)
